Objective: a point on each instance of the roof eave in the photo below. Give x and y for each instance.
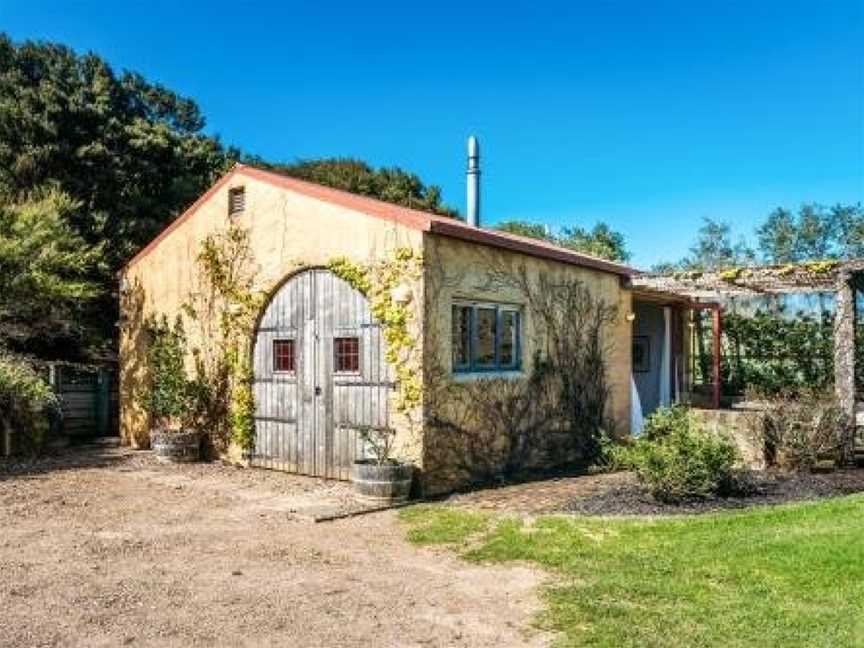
(526, 246)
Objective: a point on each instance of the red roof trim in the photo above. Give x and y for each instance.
(437, 224)
(413, 218)
(529, 246)
(180, 219)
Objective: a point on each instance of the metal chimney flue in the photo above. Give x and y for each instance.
(472, 191)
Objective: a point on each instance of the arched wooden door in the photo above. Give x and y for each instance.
(319, 374)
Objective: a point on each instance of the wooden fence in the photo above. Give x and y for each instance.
(89, 400)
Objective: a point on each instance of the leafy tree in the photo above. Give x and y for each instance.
(525, 228)
(785, 238)
(47, 274)
(778, 237)
(26, 401)
(816, 234)
(126, 156)
(601, 241)
(665, 267)
(714, 248)
(130, 151)
(169, 396)
(390, 184)
(849, 220)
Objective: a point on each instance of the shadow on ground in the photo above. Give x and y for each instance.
(98, 454)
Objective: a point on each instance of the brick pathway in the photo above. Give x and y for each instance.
(537, 497)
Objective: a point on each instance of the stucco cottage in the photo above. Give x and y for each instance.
(362, 306)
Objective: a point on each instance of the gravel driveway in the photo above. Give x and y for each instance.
(105, 547)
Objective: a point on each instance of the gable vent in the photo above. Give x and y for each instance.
(236, 200)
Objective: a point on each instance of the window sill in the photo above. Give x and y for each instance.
(505, 374)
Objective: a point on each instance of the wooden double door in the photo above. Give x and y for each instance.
(319, 376)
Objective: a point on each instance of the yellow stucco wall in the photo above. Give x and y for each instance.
(457, 270)
(288, 231)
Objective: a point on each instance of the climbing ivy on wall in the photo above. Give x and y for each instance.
(491, 428)
(226, 308)
(770, 353)
(767, 353)
(381, 282)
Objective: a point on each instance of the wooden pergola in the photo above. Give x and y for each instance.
(708, 289)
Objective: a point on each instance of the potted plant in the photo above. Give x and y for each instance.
(169, 396)
(380, 478)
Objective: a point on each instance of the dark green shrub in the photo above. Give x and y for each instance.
(170, 395)
(26, 402)
(678, 460)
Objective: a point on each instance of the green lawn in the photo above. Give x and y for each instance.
(785, 576)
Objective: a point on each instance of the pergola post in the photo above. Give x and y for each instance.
(717, 340)
(844, 345)
(716, 325)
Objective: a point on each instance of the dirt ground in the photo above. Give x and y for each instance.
(105, 547)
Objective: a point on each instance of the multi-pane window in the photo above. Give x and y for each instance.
(461, 336)
(485, 337)
(283, 355)
(236, 200)
(346, 355)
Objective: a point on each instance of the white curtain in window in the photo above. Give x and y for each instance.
(636, 419)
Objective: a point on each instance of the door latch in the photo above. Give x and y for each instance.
(317, 391)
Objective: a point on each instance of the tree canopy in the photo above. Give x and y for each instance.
(131, 152)
(93, 163)
(600, 241)
(390, 184)
(815, 233)
(714, 248)
(134, 152)
(47, 272)
(110, 158)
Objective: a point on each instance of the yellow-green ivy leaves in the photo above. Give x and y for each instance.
(378, 281)
(224, 259)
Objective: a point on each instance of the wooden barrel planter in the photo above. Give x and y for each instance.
(176, 447)
(387, 483)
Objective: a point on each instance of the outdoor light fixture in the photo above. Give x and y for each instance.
(401, 294)
(630, 317)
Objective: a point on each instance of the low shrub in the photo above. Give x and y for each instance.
(679, 460)
(798, 430)
(26, 402)
(666, 421)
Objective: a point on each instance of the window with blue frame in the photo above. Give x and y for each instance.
(485, 337)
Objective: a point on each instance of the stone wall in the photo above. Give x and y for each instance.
(737, 425)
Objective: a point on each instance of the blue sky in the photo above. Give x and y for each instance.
(646, 114)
